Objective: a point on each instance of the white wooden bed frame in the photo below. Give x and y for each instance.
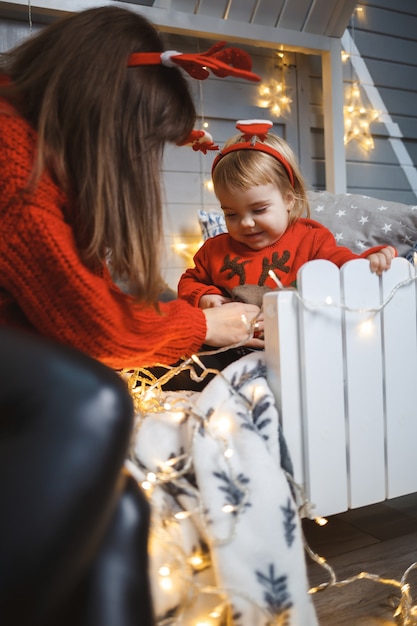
(341, 355)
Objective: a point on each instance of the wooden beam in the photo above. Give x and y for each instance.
(333, 96)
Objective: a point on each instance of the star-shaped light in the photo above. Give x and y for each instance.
(273, 96)
(358, 119)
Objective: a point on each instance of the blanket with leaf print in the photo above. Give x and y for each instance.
(226, 545)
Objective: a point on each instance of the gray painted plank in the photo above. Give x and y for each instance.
(330, 18)
(376, 175)
(400, 6)
(381, 20)
(212, 8)
(386, 46)
(268, 13)
(242, 10)
(388, 74)
(294, 14)
(187, 6)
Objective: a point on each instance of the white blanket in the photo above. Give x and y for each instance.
(226, 544)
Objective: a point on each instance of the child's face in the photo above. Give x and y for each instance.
(257, 216)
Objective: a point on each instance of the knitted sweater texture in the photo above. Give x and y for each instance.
(223, 263)
(45, 287)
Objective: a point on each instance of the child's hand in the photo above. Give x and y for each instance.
(381, 261)
(213, 299)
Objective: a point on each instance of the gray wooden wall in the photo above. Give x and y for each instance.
(385, 33)
(385, 36)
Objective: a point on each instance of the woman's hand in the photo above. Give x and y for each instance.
(381, 261)
(212, 299)
(233, 323)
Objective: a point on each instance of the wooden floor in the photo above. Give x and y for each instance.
(380, 539)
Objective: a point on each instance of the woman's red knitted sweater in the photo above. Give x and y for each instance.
(45, 287)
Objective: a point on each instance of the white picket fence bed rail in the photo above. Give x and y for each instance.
(341, 356)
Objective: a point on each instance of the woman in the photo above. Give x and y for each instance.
(82, 134)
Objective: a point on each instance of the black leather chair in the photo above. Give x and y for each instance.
(73, 525)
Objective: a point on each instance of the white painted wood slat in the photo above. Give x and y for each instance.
(400, 334)
(321, 364)
(283, 370)
(364, 384)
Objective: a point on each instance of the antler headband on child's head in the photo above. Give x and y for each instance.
(222, 62)
(254, 135)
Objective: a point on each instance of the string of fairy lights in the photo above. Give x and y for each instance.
(150, 399)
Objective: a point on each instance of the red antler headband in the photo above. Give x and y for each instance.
(222, 62)
(254, 135)
(200, 140)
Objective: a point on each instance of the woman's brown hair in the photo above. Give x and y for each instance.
(101, 130)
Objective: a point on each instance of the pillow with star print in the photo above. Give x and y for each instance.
(357, 222)
(360, 222)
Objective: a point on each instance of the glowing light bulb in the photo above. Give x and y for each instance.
(165, 584)
(149, 395)
(215, 614)
(182, 515)
(196, 560)
(223, 424)
(164, 570)
(178, 416)
(366, 328)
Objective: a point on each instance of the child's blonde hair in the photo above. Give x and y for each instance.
(246, 168)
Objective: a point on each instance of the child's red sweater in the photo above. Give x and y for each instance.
(223, 263)
(45, 287)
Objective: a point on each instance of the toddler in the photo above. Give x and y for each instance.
(258, 183)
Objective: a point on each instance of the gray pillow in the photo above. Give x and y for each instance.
(360, 222)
